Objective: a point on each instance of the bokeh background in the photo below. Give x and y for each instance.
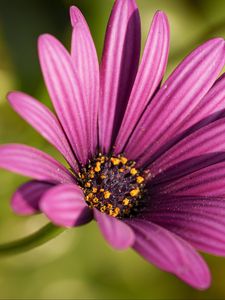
(79, 264)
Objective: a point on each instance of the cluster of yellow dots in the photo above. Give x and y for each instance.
(96, 186)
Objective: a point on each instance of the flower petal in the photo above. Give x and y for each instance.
(209, 108)
(65, 206)
(34, 163)
(66, 93)
(207, 182)
(209, 139)
(118, 234)
(25, 200)
(86, 64)
(44, 121)
(149, 76)
(179, 95)
(170, 253)
(200, 220)
(118, 68)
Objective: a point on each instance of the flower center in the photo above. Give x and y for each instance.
(113, 185)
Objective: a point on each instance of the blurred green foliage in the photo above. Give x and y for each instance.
(79, 264)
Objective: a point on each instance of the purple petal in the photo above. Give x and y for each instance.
(66, 93)
(118, 234)
(86, 64)
(184, 168)
(33, 163)
(179, 95)
(207, 182)
(25, 200)
(118, 68)
(208, 139)
(44, 121)
(149, 76)
(209, 108)
(200, 220)
(170, 253)
(65, 206)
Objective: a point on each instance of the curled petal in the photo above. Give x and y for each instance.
(65, 206)
(118, 234)
(26, 199)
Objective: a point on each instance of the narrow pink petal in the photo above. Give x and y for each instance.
(118, 234)
(33, 163)
(208, 139)
(179, 95)
(26, 199)
(65, 206)
(66, 93)
(86, 64)
(44, 121)
(200, 220)
(209, 108)
(149, 76)
(170, 253)
(206, 182)
(118, 68)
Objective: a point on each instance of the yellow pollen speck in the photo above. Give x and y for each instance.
(88, 184)
(140, 179)
(102, 190)
(111, 212)
(98, 167)
(109, 206)
(126, 201)
(89, 197)
(135, 192)
(115, 161)
(116, 212)
(121, 170)
(103, 176)
(133, 171)
(123, 160)
(94, 190)
(95, 200)
(102, 159)
(103, 208)
(107, 194)
(92, 174)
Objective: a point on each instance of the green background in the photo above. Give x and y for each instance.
(79, 263)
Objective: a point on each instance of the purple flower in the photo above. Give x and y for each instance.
(146, 162)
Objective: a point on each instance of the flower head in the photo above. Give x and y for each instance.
(147, 162)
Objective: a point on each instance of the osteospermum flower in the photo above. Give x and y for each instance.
(146, 162)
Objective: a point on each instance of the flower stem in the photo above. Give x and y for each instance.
(32, 241)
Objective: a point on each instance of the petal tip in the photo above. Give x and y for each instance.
(10, 96)
(45, 38)
(205, 283)
(75, 15)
